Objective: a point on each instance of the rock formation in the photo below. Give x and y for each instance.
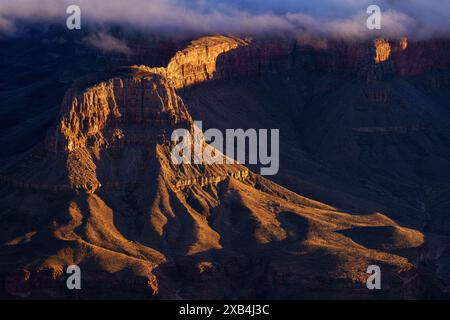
(225, 58)
(382, 50)
(140, 226)
(198, 62)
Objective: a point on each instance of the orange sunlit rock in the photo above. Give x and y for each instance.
(404, 43)
(197, 63)
(383, 50)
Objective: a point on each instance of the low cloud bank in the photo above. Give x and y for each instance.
(107, 43)
(329, 18)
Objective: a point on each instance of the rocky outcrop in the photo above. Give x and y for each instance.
(198, 62)
(382, 50)
(378, 59)
(224, 58)
(376, 64)
(211, 180)
(259, 58)
(139, 108)
(121, 111)
(92, 119)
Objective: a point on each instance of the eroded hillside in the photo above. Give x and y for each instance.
(102, 193)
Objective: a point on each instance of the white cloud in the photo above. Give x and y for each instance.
(6, 26)
(343, 18)
(107, 43)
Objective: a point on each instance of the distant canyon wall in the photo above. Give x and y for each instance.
(222, 58)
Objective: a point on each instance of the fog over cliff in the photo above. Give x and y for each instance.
(334, 18)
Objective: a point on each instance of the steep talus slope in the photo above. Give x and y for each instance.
(102, 192)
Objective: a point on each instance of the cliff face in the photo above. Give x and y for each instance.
(406, 58)
(259, 58)
(93, 118)
(225, 58)
(136, 110)
(198, 62)
(382, 50)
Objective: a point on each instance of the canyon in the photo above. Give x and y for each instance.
(100, 191)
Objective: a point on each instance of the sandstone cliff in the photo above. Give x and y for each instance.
(225, 58)
(198, 62)
(92, 118)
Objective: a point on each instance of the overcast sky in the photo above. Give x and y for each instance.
(341, 18)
